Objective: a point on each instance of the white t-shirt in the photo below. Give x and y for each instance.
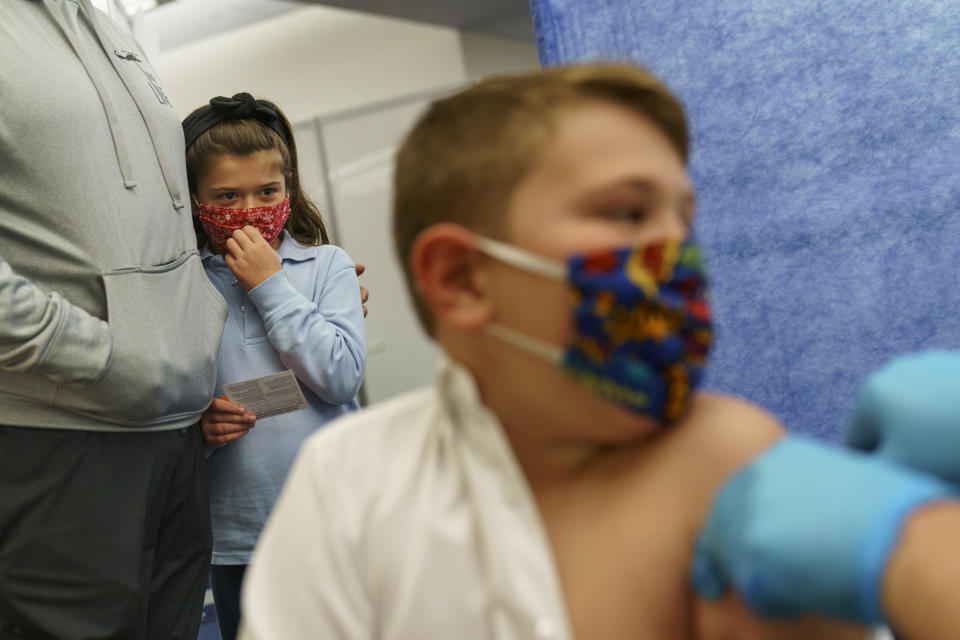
(378, 532)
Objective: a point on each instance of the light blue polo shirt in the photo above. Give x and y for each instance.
(307, 318)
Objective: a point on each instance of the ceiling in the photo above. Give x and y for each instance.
(469, 15)
(181, 22)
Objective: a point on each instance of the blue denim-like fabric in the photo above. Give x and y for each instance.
(825, 152)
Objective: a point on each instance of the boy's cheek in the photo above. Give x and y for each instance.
(539, 307)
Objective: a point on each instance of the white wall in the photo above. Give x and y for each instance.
(360, 152)
(314, 61)
(485, 55)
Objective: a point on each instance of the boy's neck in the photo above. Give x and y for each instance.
(548, 455)
(549, 464)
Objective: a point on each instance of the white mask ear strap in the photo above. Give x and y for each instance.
(540, 348)
(521, 259)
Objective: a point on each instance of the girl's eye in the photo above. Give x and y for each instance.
(269, 191)
(228, 196)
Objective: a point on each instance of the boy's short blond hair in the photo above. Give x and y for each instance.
(468, 152)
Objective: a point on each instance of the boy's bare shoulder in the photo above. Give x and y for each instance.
(733, 419)
(734, 425)
(727, 432)
(724, 432)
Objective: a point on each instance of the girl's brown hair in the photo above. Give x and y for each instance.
(241, 137)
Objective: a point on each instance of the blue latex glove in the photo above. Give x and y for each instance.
(809, 528)
(909, 412)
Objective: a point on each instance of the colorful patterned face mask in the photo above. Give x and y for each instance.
(642, 324)
(220, 222)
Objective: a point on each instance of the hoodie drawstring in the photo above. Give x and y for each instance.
(69, 24)
(167, 168)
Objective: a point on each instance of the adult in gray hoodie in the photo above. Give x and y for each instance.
(109, 332)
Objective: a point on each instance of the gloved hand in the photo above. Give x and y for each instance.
(809, 528)
(909, 411)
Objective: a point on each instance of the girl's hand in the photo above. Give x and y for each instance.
(250, 258)
(224, 421)
(364, 294)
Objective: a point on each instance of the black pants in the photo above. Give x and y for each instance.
(102, 535)
(227, 582)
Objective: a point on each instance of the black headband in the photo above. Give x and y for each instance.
(239, 107)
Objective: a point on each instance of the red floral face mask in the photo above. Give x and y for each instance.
(220, 222)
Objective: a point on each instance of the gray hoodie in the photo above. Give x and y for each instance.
(107, 321)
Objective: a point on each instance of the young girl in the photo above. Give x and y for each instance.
(294, 304)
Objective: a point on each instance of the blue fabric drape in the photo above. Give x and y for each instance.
(826, 158)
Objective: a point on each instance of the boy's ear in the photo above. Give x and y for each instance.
(446, 268)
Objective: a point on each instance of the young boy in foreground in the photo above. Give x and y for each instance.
(535, 491)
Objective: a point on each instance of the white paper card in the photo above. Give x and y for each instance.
(268, 396)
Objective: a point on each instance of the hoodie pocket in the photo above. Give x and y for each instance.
(166, 322)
